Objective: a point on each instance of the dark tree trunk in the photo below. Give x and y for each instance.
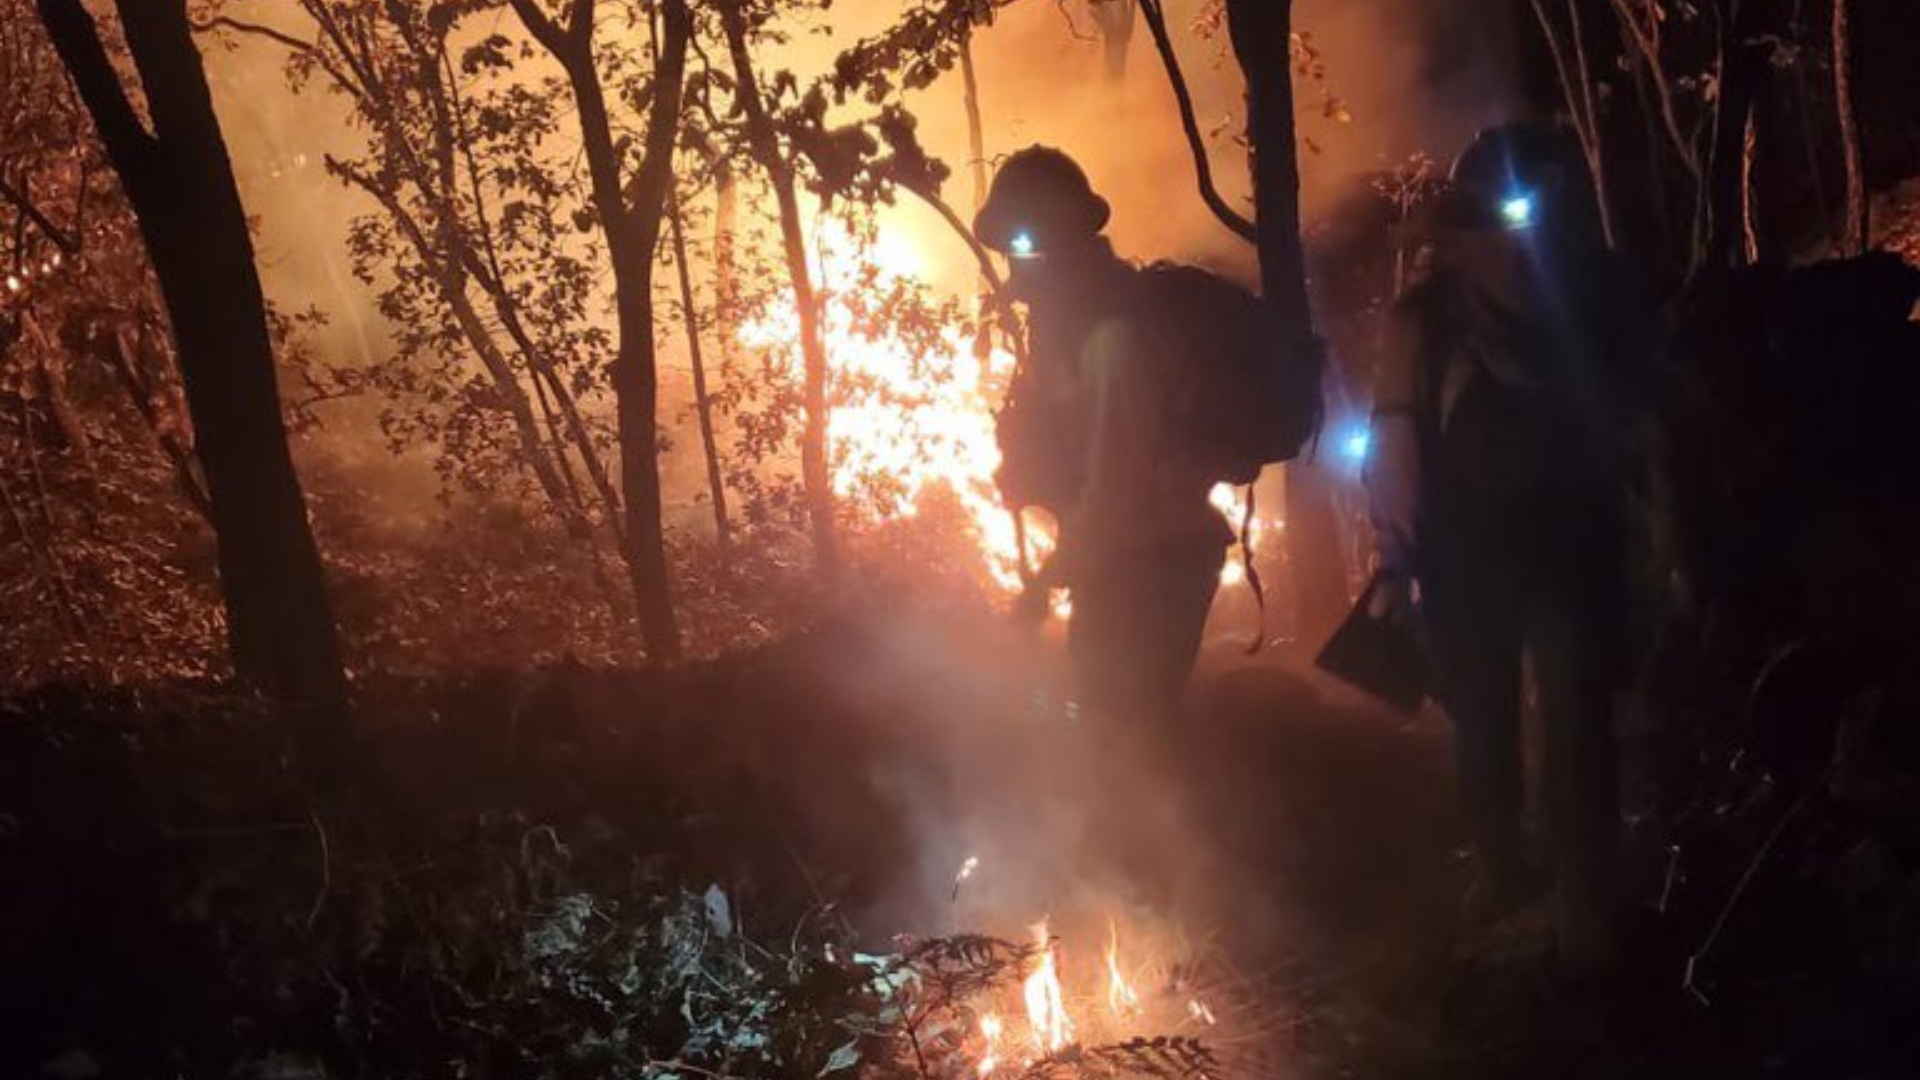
(178, 178)
(632, 227)
(702, 400)
(1262, 33)
(1743, 69)
(815, 474)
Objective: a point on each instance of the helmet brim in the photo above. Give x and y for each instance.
(998, 223)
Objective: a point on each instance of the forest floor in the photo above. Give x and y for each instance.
(174, 902)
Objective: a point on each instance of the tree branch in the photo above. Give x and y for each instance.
(1203, 170)
(548, 33)
(67, 242)
(308, 49)
(663, 118)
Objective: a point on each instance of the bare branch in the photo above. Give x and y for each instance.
(306, 49)
(1202, 168)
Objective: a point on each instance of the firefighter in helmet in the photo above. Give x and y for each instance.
(1088, 435)
(1511, 383)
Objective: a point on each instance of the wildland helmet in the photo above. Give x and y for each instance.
(1040, 199)
(1522, 174)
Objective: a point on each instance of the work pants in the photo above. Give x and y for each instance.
(1136, 628)
(1549, 589)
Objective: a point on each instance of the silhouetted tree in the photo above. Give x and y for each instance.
(178, 177)
(738, 25)
(1262, 36)
(630, 211)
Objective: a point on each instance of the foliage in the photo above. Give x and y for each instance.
(105, 564)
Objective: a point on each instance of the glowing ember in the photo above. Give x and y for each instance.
(1201, 1013)
(1052, 1028)
(966, 871)
(1121, 999)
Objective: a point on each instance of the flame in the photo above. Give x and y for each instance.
(990, 1029)
(928, 427)
(1122, 1001)
(930, 424)
(1047, 1017)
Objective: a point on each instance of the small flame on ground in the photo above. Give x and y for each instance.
(1121, 999)
(990, 1029)
(1046, 1002)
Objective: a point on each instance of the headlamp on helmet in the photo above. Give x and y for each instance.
(1021, 245)
(1517, 210)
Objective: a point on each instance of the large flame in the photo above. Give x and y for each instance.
(929, 427)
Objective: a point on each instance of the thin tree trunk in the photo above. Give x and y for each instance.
(977, 168)
(125, 358)
(726, 283)
(1262, 42)
(1854, 237)
(53, 382)
(815, 474)
(450, 280)
(1749, 197)
(1742, 72)
(702, 402)
(1570, 64)
(632, 232)
(180, 182)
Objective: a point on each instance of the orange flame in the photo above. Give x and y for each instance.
(947, 441)
(1122, 1001)
(990, 1029)
(1047, 1015)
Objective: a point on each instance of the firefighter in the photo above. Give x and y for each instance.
(1089, 434)
(1511, 387)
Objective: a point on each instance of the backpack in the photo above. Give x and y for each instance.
(1250, 384)
(1540, 424)
(1249, 390)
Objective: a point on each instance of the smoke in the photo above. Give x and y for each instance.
(1394, 78)
(1413, 76)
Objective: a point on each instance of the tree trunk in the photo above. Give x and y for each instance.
(702, 402)
(632, 233)
(815, 475)
(1262, 34)
(179, 180)
(53, 383)
(1854, 238)
(726, 284)
(1575, 73)
(977, 169)
(1743, 69)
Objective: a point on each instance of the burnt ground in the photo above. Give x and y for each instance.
(175, 903)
